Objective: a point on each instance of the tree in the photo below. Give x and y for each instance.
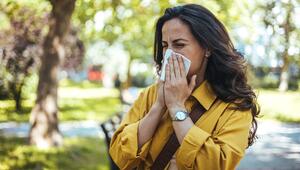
(21, 48)
(132, 23)
(44, 131)
(279, 17)
(21, 44)
(74, 50)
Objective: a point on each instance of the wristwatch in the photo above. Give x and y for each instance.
(180, 116)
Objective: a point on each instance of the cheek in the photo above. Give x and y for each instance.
(196, 61)
(195, 54)
(195, 66)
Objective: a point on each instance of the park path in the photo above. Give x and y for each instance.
(69, 129)
(277, 148)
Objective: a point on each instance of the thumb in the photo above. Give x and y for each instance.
(192, 82)
(160, 82)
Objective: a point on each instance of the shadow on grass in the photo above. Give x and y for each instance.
(77, 153)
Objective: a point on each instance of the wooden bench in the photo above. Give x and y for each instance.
(109, 127)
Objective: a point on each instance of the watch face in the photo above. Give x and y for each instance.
(180, 115)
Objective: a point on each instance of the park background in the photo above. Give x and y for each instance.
(68, 65)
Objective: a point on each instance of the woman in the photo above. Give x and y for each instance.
(215, 82)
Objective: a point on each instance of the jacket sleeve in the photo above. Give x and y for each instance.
(124, 144)
(220, 150)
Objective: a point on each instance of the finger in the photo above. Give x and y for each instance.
(176, 66)
(160, 82)
(168, 76)
(192, 83)
(171, 65)
(181, 66)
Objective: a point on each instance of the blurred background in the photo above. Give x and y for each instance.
(68, 66)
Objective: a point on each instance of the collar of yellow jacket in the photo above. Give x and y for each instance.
(204, 94)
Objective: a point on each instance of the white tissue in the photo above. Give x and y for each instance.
(168, 53)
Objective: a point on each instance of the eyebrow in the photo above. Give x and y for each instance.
(179, 39)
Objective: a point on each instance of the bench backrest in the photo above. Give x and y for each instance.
(109, 127)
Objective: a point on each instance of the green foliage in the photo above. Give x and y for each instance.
(76, 153)
(132, 23)
(128, 22)
(269, 81)
(20, 47)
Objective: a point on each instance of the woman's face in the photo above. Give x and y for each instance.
(177, 36)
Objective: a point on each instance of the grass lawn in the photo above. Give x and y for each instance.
(280, 106)
(77, 153)
(77, 101)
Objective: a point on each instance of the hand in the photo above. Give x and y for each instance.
(177, 90)
(160, 102)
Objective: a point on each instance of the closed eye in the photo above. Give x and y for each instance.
(179, 45)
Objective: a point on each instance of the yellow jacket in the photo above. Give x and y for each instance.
(217, 140)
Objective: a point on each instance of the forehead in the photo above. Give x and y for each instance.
(175, 29)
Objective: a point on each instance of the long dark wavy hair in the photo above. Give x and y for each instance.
(226, 68)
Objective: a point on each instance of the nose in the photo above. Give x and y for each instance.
(164, 52)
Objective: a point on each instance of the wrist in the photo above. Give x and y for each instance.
(175, 108)
(159, 108)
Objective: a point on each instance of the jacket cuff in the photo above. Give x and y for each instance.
(129, 142)
(190, 146)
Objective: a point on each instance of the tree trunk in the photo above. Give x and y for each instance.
(18, 96)
(284, 76)
(44, 130)
(129, 78)
(13, 87)
(16, 89)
